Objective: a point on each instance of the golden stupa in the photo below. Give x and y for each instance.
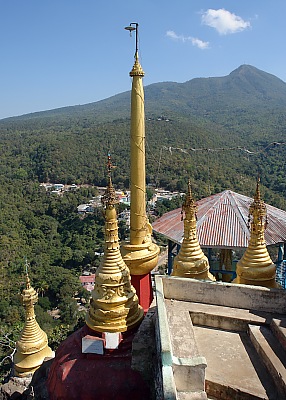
(114, 305)
(140, 254)
(32, 347)
(256, 267)
(191, 262)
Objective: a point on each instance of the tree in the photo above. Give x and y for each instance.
(69, 311)
(8, 338)
(42, 287)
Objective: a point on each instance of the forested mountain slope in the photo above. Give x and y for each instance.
(245, 109)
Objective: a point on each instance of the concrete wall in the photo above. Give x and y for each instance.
(183, 368)
(225, 294)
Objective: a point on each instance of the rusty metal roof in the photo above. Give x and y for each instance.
(222, 222)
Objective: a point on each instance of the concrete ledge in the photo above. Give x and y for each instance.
(222, 313)
(267, 347)
(227, 318)
(278, 327)
(178, 349)
(225, 294)
(189, 374)
(192, 396)
(169, 387)
(163, 343)
(225, 392)
(182, 339)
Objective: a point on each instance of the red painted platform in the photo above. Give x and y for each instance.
(77, 376)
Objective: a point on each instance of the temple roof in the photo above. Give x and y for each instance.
(222, 222)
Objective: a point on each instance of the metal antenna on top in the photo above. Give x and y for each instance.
(133, 27)
(109, 165)
(26, 265)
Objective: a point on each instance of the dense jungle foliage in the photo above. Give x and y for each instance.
(218, 132)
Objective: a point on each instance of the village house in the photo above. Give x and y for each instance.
(87, 281)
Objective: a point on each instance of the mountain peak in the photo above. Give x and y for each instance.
(245, 68)
(250, 71)
(254, 82)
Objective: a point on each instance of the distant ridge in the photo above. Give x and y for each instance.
(244, 87)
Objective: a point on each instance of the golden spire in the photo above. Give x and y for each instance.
(256, 267)
(140, 255)
(32, 347)
(114, 306)
(191, 261)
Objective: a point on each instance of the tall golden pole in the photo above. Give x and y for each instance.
(140, 255)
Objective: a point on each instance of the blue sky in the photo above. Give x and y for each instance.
(56, 53)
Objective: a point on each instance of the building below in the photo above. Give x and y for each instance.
(87, 281)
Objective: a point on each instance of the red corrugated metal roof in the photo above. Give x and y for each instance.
(222, 222)
(87, 278)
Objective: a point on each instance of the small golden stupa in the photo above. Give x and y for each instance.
(256, 267)
(32, 347)
(191, 262)
(114, 306)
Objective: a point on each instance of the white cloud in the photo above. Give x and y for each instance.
(224, 21)
(199, 43)
(195, 42)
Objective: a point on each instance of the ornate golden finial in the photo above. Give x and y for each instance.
(114, 306)
(109, 198)
(28, 285)
(32, 347)
(256, 267)
(257, 192)
(191, 261)
(189, 205)
(258, 213)
(137, 70)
